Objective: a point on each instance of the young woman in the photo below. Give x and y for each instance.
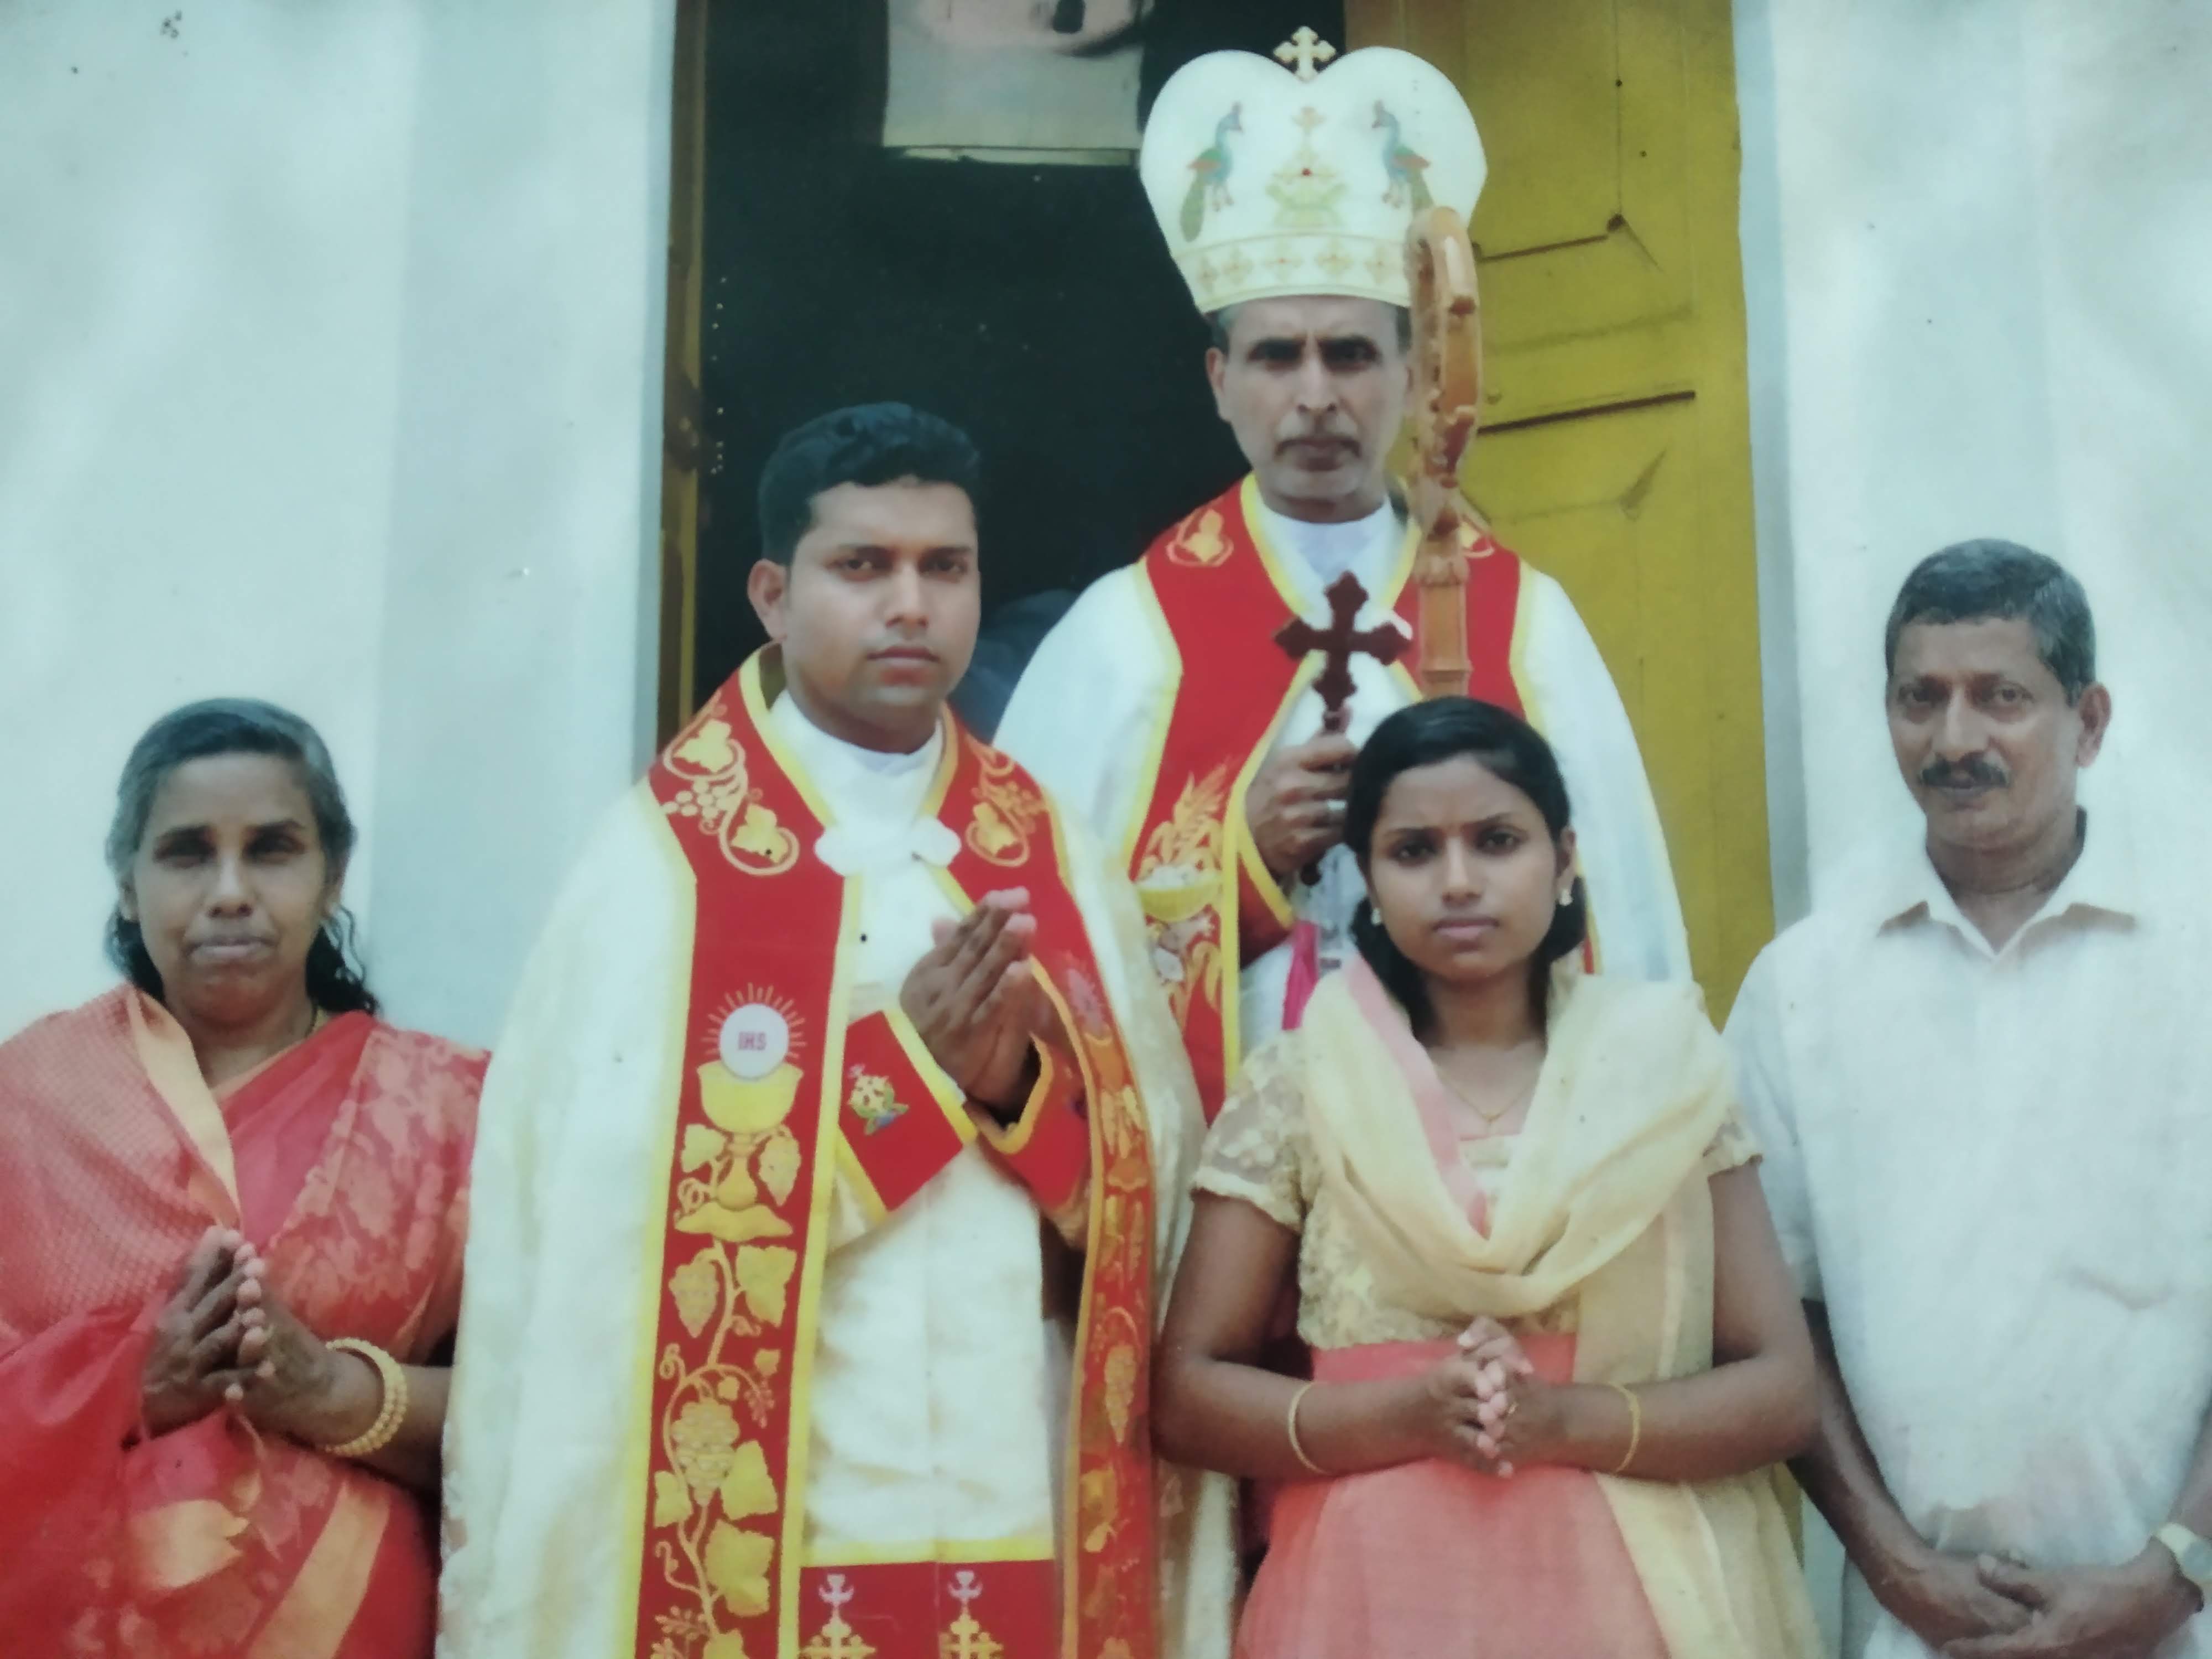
(235, 1202)
(1554, 1344)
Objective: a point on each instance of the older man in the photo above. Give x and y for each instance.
(1979, 1073)
(1162, 709)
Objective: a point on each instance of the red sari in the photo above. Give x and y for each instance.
(345, 1160)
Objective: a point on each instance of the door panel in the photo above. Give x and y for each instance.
(1615, 452)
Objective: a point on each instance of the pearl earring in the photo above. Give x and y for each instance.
(1566, 896)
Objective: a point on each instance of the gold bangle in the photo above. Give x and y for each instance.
(1291, 1422)
(1635, 1426)
(389, 1415)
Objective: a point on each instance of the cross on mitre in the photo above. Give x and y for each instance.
(1337, 642)
(1303, 53)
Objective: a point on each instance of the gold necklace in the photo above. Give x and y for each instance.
(1520, 1098)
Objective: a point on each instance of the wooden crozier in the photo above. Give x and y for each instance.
(1447, 403)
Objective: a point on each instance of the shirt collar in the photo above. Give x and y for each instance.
(2103, 878)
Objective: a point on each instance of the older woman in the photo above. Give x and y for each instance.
(234, 1203)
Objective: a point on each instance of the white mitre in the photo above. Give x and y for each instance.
(1268, 179)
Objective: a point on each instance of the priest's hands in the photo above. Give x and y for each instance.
(2085, 1612)
(1294, 805)
(191, 1367)
(977, 1000)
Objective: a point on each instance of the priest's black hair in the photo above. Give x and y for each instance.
(238, 726)
(1509, 748)
(1989, 580)
(868, 444)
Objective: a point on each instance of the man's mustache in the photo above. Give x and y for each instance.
(1975, 771)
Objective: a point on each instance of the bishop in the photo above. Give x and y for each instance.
(1161, 709)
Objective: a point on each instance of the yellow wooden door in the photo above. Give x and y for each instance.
(1615, 450)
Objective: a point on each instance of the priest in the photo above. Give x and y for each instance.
(831, 1168)
(1177, 708)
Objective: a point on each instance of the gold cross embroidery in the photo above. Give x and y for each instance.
(836, 1639)
(965, 1638)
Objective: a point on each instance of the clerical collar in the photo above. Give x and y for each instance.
(853, 778)
(1363, 546)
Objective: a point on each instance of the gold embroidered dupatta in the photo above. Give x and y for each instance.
(1606, 1201)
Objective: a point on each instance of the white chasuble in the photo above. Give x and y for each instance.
(1087, 716)
(938, 1386)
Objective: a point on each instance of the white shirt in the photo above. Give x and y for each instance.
(1994, 1167)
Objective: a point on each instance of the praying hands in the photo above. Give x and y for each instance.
(1482, 1407)
(1517, 1413)
(225, 1341)
(977, 1002)
(191, 1367)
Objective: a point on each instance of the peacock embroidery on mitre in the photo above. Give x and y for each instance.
(1402, 165)
(1209, 182)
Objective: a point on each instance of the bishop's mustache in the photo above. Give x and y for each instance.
(1975, 771)
(1319, 436)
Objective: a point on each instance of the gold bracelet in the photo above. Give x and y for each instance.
(1291, 1422)
(389, 1415)
(1635, 1426)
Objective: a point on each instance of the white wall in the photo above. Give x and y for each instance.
(1975, 240)
(330, 356)
(1976, 234)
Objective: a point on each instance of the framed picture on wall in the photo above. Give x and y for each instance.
(1016, 81)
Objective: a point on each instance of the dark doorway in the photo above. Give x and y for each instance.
(1031, 304)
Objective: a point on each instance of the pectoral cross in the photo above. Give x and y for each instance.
(1337, 642)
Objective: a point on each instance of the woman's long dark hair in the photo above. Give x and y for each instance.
(1511, 749)
(238, 726)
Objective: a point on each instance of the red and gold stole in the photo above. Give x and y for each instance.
(1220, 592)
(779, 1093)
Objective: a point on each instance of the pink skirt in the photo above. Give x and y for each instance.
(1431, 1559)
